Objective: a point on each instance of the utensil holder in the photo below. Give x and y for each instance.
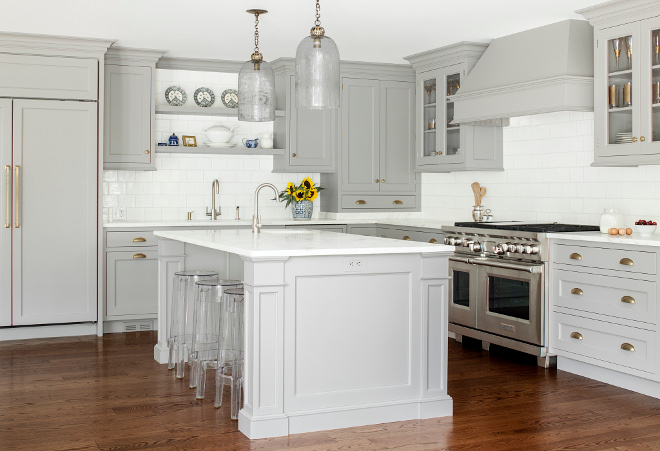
(478, 213)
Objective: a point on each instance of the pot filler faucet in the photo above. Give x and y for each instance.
(256, 217)
(214, 213)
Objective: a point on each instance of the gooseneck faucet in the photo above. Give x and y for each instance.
(256, 217)
(214, 213)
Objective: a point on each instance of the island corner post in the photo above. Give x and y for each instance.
(330, 344)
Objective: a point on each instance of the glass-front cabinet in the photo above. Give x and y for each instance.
(627, 96)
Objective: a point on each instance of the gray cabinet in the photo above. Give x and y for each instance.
(441, 145)
(129, 109)
(309, 137)
(132, 283)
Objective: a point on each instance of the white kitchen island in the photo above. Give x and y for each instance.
(341, 330)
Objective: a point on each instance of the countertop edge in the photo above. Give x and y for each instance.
(597, 237)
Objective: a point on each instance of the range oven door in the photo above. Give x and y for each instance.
(510, 299)
(462, 292)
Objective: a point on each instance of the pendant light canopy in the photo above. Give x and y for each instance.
(256, 83)
(317, 69)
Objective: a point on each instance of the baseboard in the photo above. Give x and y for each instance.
(49, 331)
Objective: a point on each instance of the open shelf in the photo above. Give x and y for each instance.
(453, 128)
(656, 105)
(620, 73)
(429, 131)
(218, 150)
(189, 110)
(623, 110)
(429, 105)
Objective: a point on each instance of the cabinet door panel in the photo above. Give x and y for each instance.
(397, 136)
(132, 282)
(127, 134)
(360, 135)
(6, 192)
(54, 247)
(650, 79)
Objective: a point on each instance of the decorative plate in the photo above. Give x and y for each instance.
(204, 97)
(230, 98)
(175, 96)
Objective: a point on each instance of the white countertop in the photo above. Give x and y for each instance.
(597, 237)
(295, 243)
(428, 223)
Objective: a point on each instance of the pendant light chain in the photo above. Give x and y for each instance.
(318, 14)
(256, 33)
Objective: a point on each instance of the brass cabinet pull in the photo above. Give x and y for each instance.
(361, 202)
(17, 222)
(139, 239)
(398, 202)
(576, 335)
(634, 139)
(628, 347)
(405, 237)
(293, 155)
(628, 299)
(433, 241)
(382, 181)
(575, 256)
(377, 181)
(147, 152)
(577, 291)
(627, 262)
(139, 255)
(641, 138)
(8, 199)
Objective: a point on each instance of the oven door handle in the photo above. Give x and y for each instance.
(535, 269)
(460, 260)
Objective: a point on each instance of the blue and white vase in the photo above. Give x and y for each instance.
(302, 210)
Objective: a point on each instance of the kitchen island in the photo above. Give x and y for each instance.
(341, 330)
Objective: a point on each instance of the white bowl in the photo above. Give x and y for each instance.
(646, 230)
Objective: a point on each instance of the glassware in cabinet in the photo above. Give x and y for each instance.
(429, 123)
(655, 85)
(453, 140)
(620, 90)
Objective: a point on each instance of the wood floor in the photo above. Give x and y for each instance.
(89, 394)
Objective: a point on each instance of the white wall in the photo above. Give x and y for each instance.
(547, 177)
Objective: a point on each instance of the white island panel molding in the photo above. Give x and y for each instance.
(341, 330)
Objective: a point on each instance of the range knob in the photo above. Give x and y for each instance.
(447, 240)
(520, 249)
(467, 243)
(499, 249)
(508, 247)
(475, 247)
(531, 249)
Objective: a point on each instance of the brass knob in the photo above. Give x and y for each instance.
(139, 239)
(139, 255)
(634, 139)
(577, 291)
(293, 155)
(641, 138)
(576, 335)
(147, 152)
(628, 299)
(382, 181)
(406, 238)
(377, 181)
(628, 347)
(397, 202)
(627, 262)
(361, 202)
(433, 241)
(575, 256)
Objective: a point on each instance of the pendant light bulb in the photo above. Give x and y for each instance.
(256, 83)
(317, 69)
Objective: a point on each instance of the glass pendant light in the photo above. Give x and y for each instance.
(317, 69)
(256, 83)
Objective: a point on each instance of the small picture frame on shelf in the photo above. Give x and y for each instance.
(189, 141)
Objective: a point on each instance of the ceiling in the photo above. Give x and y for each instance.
(365, 30)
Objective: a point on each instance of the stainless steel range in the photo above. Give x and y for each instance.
(499, 286)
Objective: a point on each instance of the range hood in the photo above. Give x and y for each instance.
(542, 70)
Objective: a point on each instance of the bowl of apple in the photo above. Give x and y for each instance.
(646, 228)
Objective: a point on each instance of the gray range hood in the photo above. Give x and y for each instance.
(542, 70)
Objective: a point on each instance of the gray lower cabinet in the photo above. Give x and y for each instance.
(309, 137)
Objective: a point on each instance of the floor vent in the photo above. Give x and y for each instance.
(137, 326)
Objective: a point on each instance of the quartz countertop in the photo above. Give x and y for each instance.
(295, 243)
(597, 237)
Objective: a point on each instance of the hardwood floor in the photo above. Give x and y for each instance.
(88, 394)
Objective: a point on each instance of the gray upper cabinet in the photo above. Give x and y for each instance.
(309, 137)
(129, 109)
(441, 145)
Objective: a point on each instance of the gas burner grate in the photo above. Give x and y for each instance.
(522, 227)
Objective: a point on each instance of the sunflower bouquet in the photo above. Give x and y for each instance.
(304, 191)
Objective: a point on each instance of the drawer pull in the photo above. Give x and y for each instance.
(433, 241)
(139, 239)
(628, 347)
(628, 299)
(398, 202)
(139, 255)
(627, 262)
(575, 256)
(361, 202)
(577, 291)
(576, 335)
(405, 238)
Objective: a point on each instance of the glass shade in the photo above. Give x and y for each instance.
(256, 92)
(317, 73)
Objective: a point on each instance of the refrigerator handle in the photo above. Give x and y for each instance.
(8, 199)
(17, 222)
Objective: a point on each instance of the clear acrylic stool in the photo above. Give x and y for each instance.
(181, 319)
(206, 329)
(232, 349)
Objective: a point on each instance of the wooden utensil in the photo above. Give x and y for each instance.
(476, 189)
(482, 193)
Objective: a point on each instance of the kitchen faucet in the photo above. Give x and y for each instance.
(256, 217)
(214, 213)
